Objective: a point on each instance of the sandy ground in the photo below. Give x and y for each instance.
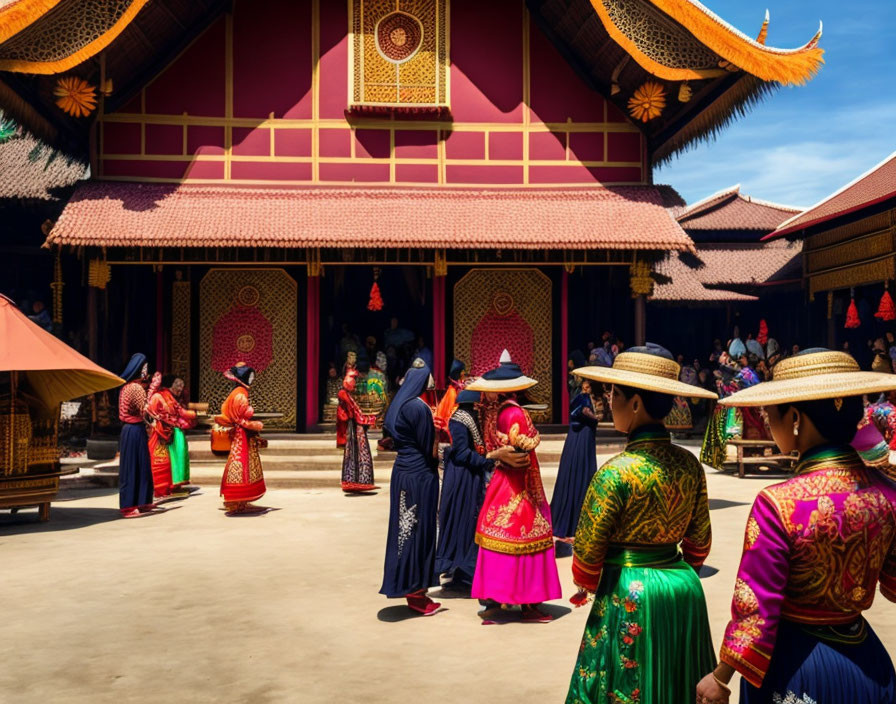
(193, 606)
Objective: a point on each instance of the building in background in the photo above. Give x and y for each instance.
(275, 181)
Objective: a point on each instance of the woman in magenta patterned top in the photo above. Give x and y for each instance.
(815, 548)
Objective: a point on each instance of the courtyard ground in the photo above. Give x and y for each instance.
(193, 606)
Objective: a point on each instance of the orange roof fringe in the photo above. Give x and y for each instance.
(787, 66)
(18, 14)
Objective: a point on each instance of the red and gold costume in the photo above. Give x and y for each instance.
(243, 480)
(516, 517)
(814, 550)
(167, 414)
(352, 423)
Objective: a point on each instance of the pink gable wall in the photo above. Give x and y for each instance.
(240, 105)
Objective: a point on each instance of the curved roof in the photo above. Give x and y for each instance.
(32, 32)
(874, 186)
(729, 209)
(736, 49)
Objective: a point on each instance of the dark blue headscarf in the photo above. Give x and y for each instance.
(415, 382)
(134, 366)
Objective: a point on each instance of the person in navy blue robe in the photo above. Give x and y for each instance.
(578, 462)
(463, 488)
(410, 565)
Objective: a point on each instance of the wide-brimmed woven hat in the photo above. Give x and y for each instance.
(504, 378)
(813, 375)
(651, 370)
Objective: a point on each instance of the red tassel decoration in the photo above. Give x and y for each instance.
(852, 315)
(762, 337)
(376, 300)
(886, 310)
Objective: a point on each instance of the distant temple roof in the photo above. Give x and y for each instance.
(729, 209)
(874, 186)
(111, 214)
(703, 71)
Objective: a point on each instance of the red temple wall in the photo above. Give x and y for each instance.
(244, 103)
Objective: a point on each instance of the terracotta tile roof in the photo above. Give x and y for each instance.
(29, 170)
(874, 186)
(160, 215)
(717, 266)
(731, 210)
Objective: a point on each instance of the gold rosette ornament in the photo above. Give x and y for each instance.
(75, 96)
(647, 102)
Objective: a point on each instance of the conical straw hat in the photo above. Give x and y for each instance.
(810, 376)
(645, 371)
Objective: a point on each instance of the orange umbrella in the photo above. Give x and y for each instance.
(48, 369)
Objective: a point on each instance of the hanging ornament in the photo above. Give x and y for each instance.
(762, 337)
(99, 273)
(56, 287)
(852, 313)
(376, 300)
(647, 102)
(75, 96)
(886, 310)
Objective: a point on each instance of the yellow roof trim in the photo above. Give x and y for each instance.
(788, 66)
(20, 14)
(86, 52)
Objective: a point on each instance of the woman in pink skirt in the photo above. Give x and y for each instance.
(516, 562)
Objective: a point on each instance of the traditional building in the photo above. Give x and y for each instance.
(849, 257)
(732, 278)
(258, 167)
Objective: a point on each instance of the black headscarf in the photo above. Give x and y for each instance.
(135, 364)
(415, 382)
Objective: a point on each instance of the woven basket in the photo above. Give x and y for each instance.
(15, 436)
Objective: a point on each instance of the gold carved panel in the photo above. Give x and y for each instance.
(507, 308)
(250, 315)
(399, 53)
(858, 275)
(850, 252)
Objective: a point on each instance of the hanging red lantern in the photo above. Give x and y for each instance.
(886, 310)
(852, 315)
(376, 299)
(762, 337)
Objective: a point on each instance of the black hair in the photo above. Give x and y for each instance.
(836, 425)
(835, 419)
(656, 404)
(168, 380)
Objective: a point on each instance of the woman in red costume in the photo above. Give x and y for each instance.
(516, 562)
(168, 417)
(243, 480)
(351, 432)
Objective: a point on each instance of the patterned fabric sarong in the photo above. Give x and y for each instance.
(647, 639)
(357, 462)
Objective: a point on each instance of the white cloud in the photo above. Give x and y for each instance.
(793, 161)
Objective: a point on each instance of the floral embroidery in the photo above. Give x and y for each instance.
(629, 632)
(792, 698)
(407, 521)
(752, 533)
(628, 663)
(745, 601)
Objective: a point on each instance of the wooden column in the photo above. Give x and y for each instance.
(440, 275)
(92, 333)
(640, 320)
(564, 346)
(312, 341)
(160, 361)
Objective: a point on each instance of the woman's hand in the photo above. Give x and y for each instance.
(711, 691)
(506, 455)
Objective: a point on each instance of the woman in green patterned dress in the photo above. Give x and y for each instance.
(643, 533)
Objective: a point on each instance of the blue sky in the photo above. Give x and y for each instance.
(804, 142)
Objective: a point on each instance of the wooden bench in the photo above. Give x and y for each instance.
(771, 459)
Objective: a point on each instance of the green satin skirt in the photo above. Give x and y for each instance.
(647, 639)
(180, 458)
